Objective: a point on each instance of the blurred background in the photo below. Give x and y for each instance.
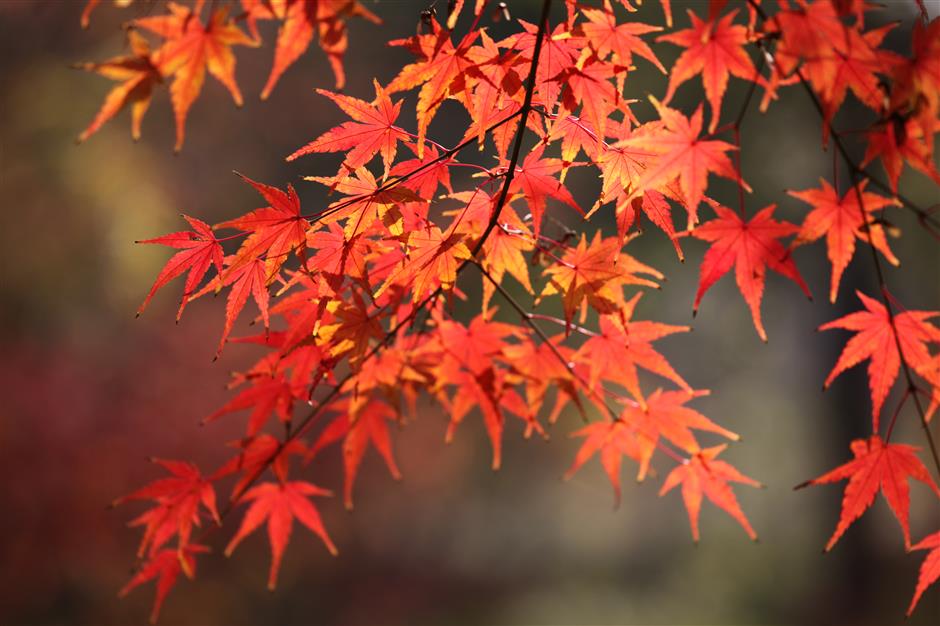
(88, 392)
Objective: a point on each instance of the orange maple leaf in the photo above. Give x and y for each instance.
(680, 153)
(441, 67)
(189, 50)
(877, 466)
(875, 340)
(595, 274)
(703, 474)
(606, 36)
(432, 262)
(613, 439)
(664, 414)
(840, 220)
(302, 19)
(137, 74)
(622, 345)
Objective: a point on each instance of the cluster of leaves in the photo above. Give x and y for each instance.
(356, 298)
(189, 47)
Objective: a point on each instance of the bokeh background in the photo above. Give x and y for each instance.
(87, 392)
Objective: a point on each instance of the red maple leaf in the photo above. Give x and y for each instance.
(622, 345)
(199, 250)
(178, 502)
(535, 180)
(165, 566)
(750, 247)
(275, 231)
(877, 466)
(714, 49)
(279, 504)
(704, 475)
(371, 132)
(368, 425)
(875, 340)
(247, 280)
(929, 569)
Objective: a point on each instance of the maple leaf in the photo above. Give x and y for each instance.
(373, 131)
(560, 50)
(542, 370)
(368, 425)
(681, 153)
(302, 19)
(606, 36)
(248, 280)
(351, 331)
(276, 230)
(586, 84)
(495, 97)
(431, 263)
(877, 466)
(750, 247)
(664, 414)
(595, 274)
(714, 49)
(856, 68)
(199, 250)
(137, 74)
(369, 203)
(425, 175)
(165, 566)
(489, 391)
(535, 180)
(704, 475)
(279, 504)
(267, 395)
(255, 454)
(840, 220)
(929, 569)
(613, 439)
(189, 50)
(179, 499)
(622, 345)
(655, 206)
(441, 71)
(338, 257)
(875, 340)
(897, 143)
